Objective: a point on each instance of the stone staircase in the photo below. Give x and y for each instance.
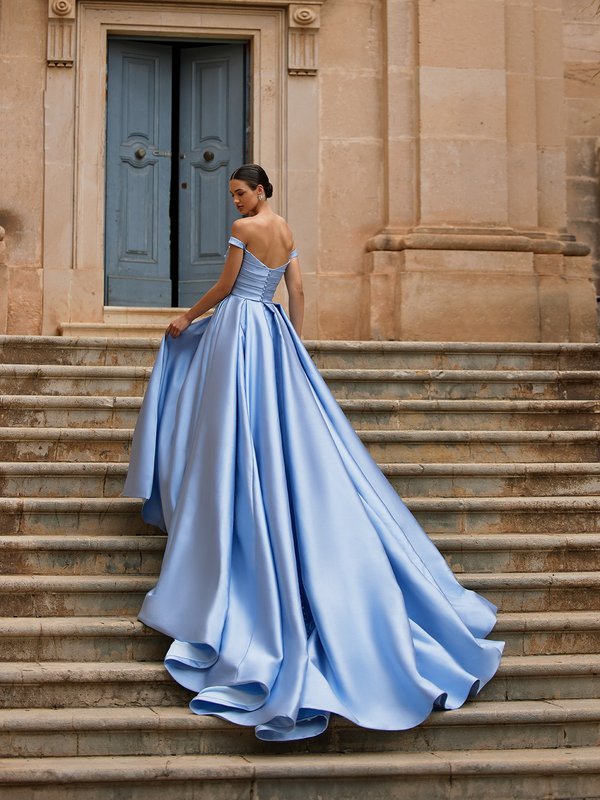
(494, 447)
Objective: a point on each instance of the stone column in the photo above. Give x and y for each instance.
(478, 249)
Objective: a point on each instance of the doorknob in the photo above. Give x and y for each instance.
(140, 153)
(208, 155)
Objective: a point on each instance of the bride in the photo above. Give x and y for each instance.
(295, 583)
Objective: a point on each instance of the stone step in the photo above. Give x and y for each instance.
(473, 515)
(69, 380)
(548, 633)
(57, 554)
(477, 515)
(391, 446)
(519, 552)
(542, 591)
(93, 351)
(76, 411)
(33, 554)
(82, 555)
(72, 595)
(89, 639)
(108, 595)
(96, 350)
(124, 638)
(463, 384)
(164, 730)
(65, 444)
(344, 383)
(106, 479)
(545, 677)
(492, 479)
(117, 331)
(56, 411)
(503, 775)
(66, 684)
(461, 415)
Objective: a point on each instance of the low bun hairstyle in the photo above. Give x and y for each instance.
(254, 175)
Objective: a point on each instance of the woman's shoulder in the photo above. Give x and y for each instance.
(247, 226)
(240, 228)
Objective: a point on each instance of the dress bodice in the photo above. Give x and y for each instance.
(256, 281)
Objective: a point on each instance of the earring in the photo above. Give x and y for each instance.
(261, 196)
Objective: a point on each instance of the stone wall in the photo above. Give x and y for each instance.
(420, 159)
(582, 89)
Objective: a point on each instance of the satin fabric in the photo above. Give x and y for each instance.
(295, 582)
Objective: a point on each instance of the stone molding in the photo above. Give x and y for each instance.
(61, 33)
(502, 240)
(303, 25)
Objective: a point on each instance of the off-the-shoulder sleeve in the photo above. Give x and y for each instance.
(294, 253)
(237, 242)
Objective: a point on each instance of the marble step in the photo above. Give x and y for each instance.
(503, 775)
(344, 383)
(122, 595)
(69, 684)
(76, 411)
(102, 351)
(389, 446)
(473, 515)
(124, 638)
(164, 730)
(106, 479)
(123, 554)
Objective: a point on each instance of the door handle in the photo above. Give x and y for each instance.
(208, 155)
(140, 153)
(162, 153)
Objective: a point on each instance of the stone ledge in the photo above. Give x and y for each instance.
(477, 241)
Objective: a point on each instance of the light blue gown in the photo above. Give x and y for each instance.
(295, 583)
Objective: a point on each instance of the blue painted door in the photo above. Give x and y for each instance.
(138, 174)
(211, 147)
(168, 218)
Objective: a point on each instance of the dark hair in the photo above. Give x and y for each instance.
(253, 175)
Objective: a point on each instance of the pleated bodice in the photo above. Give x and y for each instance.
(256, 281)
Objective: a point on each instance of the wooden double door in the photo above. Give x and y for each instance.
(176, 129)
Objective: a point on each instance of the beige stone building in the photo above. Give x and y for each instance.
(438, 159)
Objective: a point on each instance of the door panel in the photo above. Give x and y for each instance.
(211, 147)
(138, 174)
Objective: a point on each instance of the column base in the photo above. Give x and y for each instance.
(483, 292)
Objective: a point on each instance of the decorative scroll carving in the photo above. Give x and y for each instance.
(304, 22)
(61, 33)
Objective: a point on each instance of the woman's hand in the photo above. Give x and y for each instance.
(178, 326)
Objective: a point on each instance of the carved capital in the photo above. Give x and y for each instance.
(304, 23)
(61, 33)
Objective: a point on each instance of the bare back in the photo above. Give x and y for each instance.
(268, 237)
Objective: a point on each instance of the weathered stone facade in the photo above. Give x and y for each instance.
(420, 149)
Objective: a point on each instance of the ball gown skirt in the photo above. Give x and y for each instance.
(295, 583)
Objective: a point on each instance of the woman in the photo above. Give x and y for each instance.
(295, 583)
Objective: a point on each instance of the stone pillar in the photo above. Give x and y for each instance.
(22, 44)
(477, 250)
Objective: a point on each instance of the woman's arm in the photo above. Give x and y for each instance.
(215, 294)
(293, 281)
